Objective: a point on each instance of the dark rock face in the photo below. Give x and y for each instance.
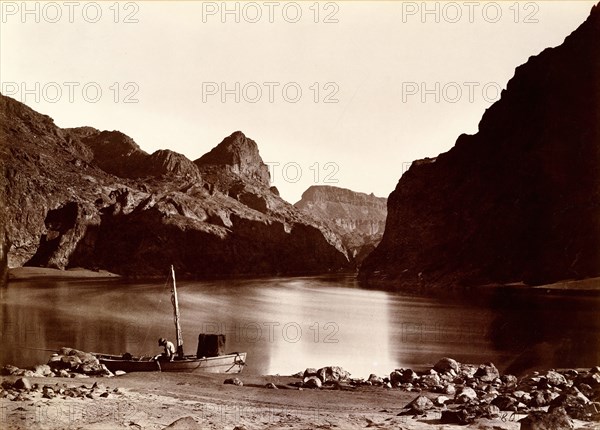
(117, 153)
(518, 201)
(82, 197)
(358, 218)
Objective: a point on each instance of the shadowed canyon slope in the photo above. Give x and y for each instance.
(94, 199)
(517, 201)
(358, 218)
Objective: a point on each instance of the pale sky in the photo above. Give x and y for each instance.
(374, 61)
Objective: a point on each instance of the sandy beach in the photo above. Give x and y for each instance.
(157, 400)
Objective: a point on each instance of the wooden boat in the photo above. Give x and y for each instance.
(228, 363)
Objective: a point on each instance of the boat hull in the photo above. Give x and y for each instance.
(230, 363)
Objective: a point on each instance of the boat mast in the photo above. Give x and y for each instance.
(176, 314)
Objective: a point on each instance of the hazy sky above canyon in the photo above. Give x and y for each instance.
(348, 100)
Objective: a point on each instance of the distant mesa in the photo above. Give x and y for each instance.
(358, 218)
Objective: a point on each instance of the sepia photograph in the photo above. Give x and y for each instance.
(298, 215)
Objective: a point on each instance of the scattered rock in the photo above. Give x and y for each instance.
(403, 376)
(375, 380)
(48, 392)
(332, 373)
(22, 384)
(446, 364)
(505, 403)
(271, 386)
(430, 380)
(450, 389)
(465, 395)
(555, 420)
(185, 423)
(42, 369)
(554, 379)
(487, 372)
(419, 405)
(440, 400)
(540, 398)
(490, 411)
(461, 416)
(10, 370)
(312, 382)
(509, 380)
(234, 381)
(310, 371)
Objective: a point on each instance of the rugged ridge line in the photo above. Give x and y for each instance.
(517, 201)
(94, 199)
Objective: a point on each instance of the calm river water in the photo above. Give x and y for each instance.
(288, 324)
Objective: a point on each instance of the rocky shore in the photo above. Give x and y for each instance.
(450, 393)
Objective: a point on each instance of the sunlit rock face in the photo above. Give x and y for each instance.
(94, 199)
(358, 218)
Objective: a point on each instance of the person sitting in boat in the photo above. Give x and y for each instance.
(169, 353)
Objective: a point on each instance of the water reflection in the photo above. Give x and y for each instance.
(288, 324)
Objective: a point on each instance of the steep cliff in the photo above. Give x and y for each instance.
(358, 218)
(90, 198)
(517, 201)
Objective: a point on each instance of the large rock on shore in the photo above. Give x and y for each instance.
(555, 420)
(517, 201)
(94, 199)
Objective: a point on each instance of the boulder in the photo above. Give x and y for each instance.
(419, 405)
(42, 369)
(375, 380)
(540, 398)
(10, 370)
(460, 416)
(555, 420)
(403, 376)
(487, 372)
(450, 389)
(490, 411)
(22, 384)
(184, 423)
(332, 373)
(48, 392)
(446, 365)
(509, 380)
(312, 382)
(310, 371)
(554, 379)
(505, 403)
(465, 395)
(233, 381)
(440, 400)
(430, 380)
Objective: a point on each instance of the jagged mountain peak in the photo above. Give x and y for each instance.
(237, 154)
